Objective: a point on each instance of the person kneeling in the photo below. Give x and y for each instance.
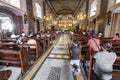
(75, 58)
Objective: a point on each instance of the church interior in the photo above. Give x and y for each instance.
(59, 40)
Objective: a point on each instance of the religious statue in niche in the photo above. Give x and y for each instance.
(34, 19)
(25, 18)
(109, 13)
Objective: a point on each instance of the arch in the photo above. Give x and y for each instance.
(12, 8)
(17, 17)
(65, 11)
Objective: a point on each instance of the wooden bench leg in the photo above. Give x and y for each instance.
(24, 60)
(5, 74)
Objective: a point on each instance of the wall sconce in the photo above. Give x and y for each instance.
(34, 19)
(81, 16)
(74, 22)
(54, 22)
(46, 18)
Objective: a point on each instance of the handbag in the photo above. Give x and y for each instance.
(97, 45)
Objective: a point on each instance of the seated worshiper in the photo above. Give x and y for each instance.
(31, 33)
(23, 34)
(42, 34)
(75, 58)
(38, 34)
(13, 35)
(48, 34)
(100, 35)
(19, 41)
(32, 41)
(116, 37)
(94, 44)
(104, 60)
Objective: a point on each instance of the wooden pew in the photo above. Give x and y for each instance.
(42, 43)
(9, 40)
(35, 51)
(103, 40)
(47, 41)
(116, 49)
(53, 36)
(5, 74)
(7, 45)
(15, 58)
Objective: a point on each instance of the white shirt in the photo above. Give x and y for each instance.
(13, 36)
(32, 41)
(103, 66)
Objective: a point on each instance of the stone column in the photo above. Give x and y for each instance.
(29, 4)
(87, 10)
(101, 16)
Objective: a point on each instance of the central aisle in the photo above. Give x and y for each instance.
(56, 66)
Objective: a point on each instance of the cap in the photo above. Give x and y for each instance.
(107, 45)
(94, 35)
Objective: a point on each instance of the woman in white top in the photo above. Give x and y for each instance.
(32, 41)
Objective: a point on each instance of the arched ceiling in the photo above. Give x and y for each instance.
(64, 6)
(13, 9)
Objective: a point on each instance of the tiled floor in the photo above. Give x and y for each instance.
(64, 56)
(56, 66)
(62, 46)
(54, 69)
(16, 71)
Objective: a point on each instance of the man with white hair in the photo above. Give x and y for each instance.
(75, 58)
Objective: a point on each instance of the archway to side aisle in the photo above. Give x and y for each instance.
(11, 20)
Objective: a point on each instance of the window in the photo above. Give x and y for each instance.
(6, 22)
(15, 3)
(38, 10)
(7, 25)
(93, 8)
(117, 1)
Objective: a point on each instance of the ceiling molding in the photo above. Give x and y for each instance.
(65, 11)
(51, 7)
(65, 6)
(79, 6)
